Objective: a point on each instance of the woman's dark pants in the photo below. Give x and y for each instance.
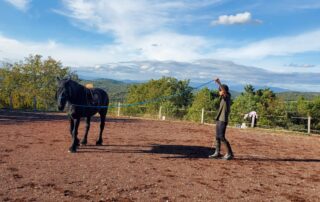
(221, 127)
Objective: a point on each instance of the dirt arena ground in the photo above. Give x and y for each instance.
(145, 160)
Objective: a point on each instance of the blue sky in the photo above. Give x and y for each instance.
(97, 37)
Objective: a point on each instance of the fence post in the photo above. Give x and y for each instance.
(34, 103)
(11, 102)
(119, 107)
(253, 120)
(309, 124)
(160, 115)
(202, 116)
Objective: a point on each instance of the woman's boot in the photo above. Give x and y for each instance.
(217, 150)
(229, 154)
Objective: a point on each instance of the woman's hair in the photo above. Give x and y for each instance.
(226, 88)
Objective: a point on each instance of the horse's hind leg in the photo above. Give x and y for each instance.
(75, 140)
(84, 140)
(102, 124)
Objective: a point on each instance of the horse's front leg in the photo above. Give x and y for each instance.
(102, 123)
(84, 140)
(72, 128)
(75, 140)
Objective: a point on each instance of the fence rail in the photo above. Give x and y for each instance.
(294, 123)
(306, 124)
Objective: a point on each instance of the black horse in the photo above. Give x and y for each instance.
(80, 101)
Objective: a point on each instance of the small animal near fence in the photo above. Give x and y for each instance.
(304, 124)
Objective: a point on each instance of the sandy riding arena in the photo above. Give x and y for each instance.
(145, 160)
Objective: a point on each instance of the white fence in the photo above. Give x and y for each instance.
(304, 123)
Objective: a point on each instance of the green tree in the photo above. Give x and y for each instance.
(32, 83)
(204, 99)
(314, 112)
(167, 92)
(243, 104)
(272, 112)
(249, 89)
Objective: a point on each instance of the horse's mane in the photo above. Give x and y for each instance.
(76, 92)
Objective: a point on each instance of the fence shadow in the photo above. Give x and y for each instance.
(8, 117)
(265, 159)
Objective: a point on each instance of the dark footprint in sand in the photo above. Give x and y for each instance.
(13, 169)
(68, 193)
(171, 176)
(164, 199)
(23, 146)
(30, 184)
(83, 196)
(52, 185)
(17, 176)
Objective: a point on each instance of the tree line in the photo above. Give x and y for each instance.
(31, 84)
(179, 100)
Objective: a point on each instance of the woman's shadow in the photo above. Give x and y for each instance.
(186, 151)
(181, 151)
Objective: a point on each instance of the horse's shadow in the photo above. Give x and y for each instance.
(9, 117)
(178, 151)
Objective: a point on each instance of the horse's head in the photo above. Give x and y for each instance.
(63, 92)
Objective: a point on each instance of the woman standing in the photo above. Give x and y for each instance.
(222, 122)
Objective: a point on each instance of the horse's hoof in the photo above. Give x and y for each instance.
(72, 150)
(84, 143)
(99, 143)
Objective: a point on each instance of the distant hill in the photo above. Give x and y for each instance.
(117, 90)
(293, 96)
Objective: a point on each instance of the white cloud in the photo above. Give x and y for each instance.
(300, 65)
(308, 5)
(125, 19)
(72, 56)
(128, 20)
(141, 29)
(240, 18)
(104, 62)
(203, 70)
(20, 4)
(163, 71)
(278, 46)
(171, 46)
(183, 48)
